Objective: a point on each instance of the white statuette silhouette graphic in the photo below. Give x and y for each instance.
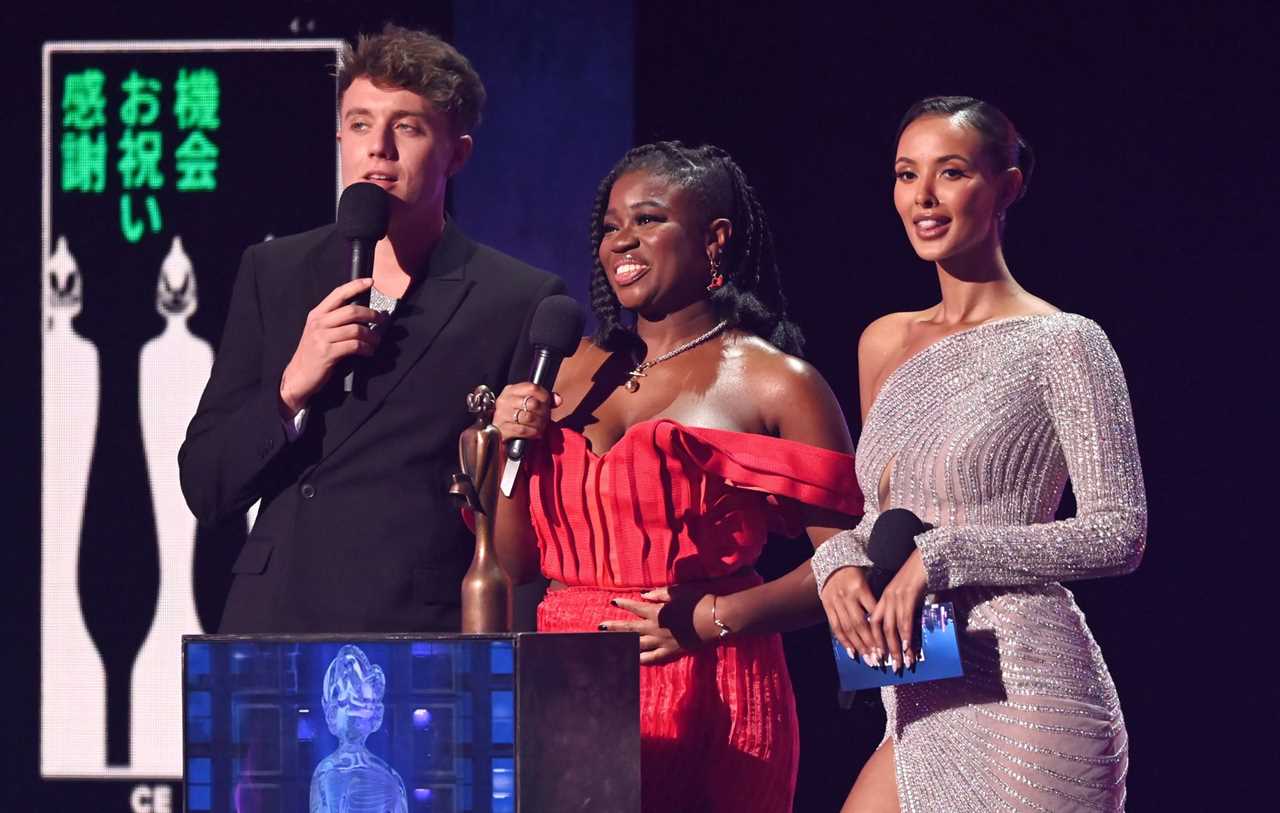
(173, 369)
(73, 699)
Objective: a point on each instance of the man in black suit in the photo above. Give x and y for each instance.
(356, 532)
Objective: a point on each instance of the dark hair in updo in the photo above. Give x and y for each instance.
(1003, 145)
(751, 298)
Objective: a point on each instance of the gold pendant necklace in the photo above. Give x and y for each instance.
(633, 378)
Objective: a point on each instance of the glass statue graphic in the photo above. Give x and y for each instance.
(173, 369)
(73, 703)
(351, 779)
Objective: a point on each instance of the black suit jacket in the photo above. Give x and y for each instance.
(356, 532)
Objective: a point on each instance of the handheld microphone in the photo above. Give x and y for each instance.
(892, 542)
(555, 332)
(363, 212)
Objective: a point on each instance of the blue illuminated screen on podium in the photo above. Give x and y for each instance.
(439, 716)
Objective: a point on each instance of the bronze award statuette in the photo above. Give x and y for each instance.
(486, 588)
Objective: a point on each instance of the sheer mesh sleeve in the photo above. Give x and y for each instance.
(1088, 404)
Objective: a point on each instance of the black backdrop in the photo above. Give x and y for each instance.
(1150, 211)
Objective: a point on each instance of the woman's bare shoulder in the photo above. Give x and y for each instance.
(887, 332)
(781, 378)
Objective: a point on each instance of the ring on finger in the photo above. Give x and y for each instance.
(525, 403)
(515, 417)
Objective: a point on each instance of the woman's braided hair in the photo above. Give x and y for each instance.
(751, 298)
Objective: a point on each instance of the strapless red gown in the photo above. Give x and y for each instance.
(671, 504)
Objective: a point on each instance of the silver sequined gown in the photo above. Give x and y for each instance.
(978, 434)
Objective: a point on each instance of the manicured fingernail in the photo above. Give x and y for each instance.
(853, 656)
(613, 601)
(866, 658)
(602, 628)
(647, 595)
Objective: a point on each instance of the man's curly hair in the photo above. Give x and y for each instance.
(420, 62)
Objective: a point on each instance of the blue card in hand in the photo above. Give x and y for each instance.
(941, 656)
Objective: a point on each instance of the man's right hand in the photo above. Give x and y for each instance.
(334, 330)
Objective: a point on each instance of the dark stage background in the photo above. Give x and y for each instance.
(1151, 211)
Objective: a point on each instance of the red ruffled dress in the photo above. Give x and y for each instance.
(670, 504)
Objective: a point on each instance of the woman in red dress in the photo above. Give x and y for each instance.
(681, 434)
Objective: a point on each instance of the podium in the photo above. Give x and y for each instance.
(503, 723)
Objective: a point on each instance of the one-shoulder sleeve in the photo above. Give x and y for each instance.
(1088, 403)
(785, 468)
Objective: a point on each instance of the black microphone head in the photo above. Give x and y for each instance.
(363, 211)
(557, 324)
(893, 538)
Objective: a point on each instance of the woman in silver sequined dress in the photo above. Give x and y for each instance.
(975, 413)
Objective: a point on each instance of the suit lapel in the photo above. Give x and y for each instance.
(419, 317)
(330, 264)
